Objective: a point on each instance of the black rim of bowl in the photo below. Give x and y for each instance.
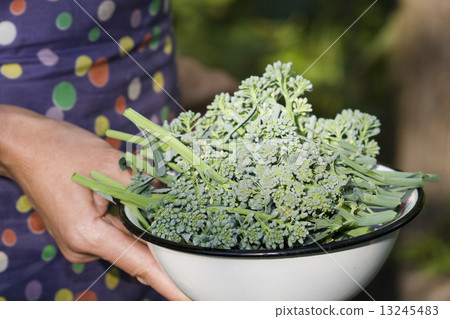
(313, 248)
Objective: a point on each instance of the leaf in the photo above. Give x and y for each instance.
(158, 158)
(106, 196)
(161, 190)
(123, 163)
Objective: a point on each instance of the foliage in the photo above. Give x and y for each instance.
(242, 37)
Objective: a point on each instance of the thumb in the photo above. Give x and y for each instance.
(135, 258)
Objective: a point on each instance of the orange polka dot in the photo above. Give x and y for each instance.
(99, 72)
(86, 296)
(121, 104)
(35, 223)
(145, 41)
(17, 7)
(9, 237)
(115, 143)
(172, 116)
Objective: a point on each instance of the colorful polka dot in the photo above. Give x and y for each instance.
(11, 70)
(166, 6)
(47, 57)
(64, 294)
(165, 111)
(145, 41)
(136, 18)
(88, 295)
(106, 10)
(158, 82)
(134, 89)
(3, 261)
(82, 65)
(8, 32)
(126, 44)
(78, 268)
(9, 237)
(115, 143)
(94, 34)
(154, 7)
(101, 125)
(64, 21)
(172, 116)
(23, 205)
(64, 95)
(121, 104)
(36, 224)
(112, 278)
(49, 252)
(55, 113)
(154, 43)
(33, 290)
(168, 46)
(17, 7)
(99, 72)
(155, 119)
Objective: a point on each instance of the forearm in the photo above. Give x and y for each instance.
(18, 127)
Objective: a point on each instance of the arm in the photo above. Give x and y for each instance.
(199, 84)
(41, 154)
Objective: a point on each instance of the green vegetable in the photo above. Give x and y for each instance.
(259, 171)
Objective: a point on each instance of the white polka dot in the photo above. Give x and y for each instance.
(47, 57)
(166, 5)
(55, 113)
(33, 290)
(106, 10)
(3, 261)
(8, 32)
(155, 119)
(136, 18)
(134, 89)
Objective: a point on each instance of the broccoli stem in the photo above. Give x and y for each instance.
(143, 165)
(126, 137)
(136, 211)
(148, 154)
(121, 194)
(167, 137)
(368, 220)
(102, 178)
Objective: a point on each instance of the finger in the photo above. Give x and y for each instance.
(136, 259)
(116, 222)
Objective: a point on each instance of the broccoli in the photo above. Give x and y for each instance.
(258, 171)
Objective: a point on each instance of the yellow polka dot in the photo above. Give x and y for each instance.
(12, 70)
(64, 294)
(82, 65)
(158, 82)
(2, 299)
(23, 205)
(101, 125)
(112, 278)
(168, 45)
(126, 45)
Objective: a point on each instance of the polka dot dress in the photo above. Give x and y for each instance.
(57, 61)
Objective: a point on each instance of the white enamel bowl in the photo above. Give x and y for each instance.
(335, 271)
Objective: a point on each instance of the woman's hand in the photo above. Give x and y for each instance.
(41, 155)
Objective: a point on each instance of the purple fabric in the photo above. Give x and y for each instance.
(55, 61)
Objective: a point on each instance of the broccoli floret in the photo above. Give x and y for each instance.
(259, 171)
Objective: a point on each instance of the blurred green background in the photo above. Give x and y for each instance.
(367, 68)
(242, 37)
